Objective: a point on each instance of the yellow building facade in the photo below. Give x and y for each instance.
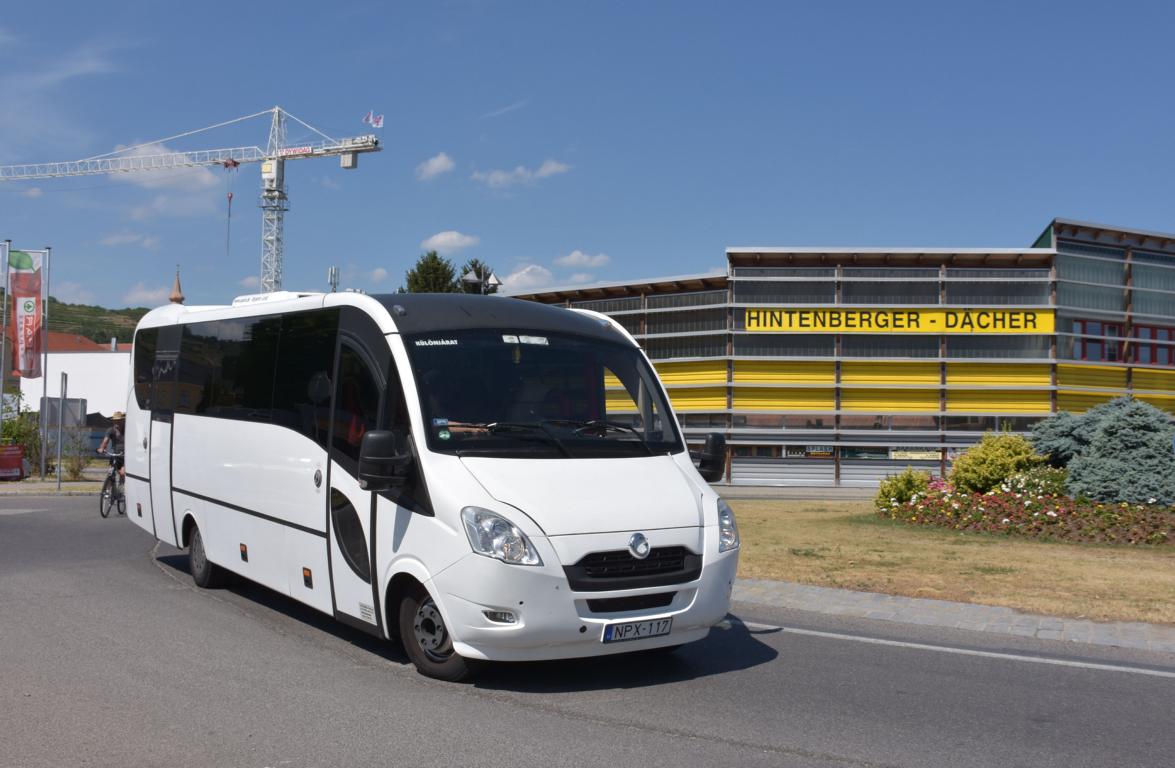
(836, 367)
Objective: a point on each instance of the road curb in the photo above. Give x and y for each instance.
(942, 613)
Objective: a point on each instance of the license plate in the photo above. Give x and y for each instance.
(636, 630)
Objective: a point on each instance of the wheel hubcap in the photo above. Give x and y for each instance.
(429, 630)
(197, 555)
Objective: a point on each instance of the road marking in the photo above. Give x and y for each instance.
(962, 651)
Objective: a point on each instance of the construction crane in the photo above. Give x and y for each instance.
(274, 200)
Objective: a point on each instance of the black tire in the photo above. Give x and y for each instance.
(120, 497)
(206, 574)
(427, 642)
(105, 498)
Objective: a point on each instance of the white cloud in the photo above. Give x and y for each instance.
(378, 275)
(251, 281)
(150, 242)
(141, 295)
(73, 293)
(578, 258)
(528, 277)
(505, 109)
(434, 166)
(180, 180)
(328, 183)
(498, 179)
(449, 241)
(32, 192)
(581, 277)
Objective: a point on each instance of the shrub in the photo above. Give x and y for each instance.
(900, 488)
(1060, 437)
(992, 460)
(75, 453)
(1129, 459)
(1065, 436)
(1038, 481)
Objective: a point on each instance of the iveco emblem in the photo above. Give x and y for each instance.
(638, 546)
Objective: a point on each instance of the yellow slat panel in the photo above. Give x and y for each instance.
(997, 374)
(997, 401)
(779, 372)
(1161, 381)
(618, 401)
(784, 399)
(700, 399)
(1166, 402)
(700, 372)
(918, 400)
(1091, 376)
(886, 372)
(1081, 401)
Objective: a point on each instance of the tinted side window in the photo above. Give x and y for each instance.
(163, 369)
(302, 386)
(232, 363)
(356, 403)
(145, 341)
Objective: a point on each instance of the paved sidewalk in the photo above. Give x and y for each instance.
(940, 613)
(48, 487)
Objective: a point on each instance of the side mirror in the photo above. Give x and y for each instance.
(385, 459)
(712, 459)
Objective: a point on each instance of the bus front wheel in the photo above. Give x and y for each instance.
(427, 640)
(205, 573)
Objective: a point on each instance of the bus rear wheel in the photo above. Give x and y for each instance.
(427, 641)
(206, 574)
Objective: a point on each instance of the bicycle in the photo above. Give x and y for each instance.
(113, 491)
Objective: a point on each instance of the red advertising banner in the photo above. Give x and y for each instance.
(24, 284)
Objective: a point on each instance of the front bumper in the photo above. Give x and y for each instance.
(552, 622)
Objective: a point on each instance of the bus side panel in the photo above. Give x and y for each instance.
(138, 472)
(308, 551)
(257, 481)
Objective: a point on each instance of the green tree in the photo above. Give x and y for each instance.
(432, 274)
(483, 272)
(1129, 458)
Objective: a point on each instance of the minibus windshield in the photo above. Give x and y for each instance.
(538, 394)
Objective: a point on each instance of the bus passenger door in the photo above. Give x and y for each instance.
(358, 396)
(163, 374)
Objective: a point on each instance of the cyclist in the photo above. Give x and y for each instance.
(113, 439)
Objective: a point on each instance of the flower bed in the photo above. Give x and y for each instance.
(1009, 511)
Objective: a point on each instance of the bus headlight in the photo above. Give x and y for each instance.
(494, 536)
(727, 527)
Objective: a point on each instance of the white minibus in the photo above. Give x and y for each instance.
(481, 477)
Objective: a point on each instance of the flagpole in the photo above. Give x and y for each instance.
(4, 336)
(45, 364)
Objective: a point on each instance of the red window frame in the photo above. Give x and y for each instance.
(1098, 349)
(1157, 354)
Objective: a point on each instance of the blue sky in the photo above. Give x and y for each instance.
(579, 142)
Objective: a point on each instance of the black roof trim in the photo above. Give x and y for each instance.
(428, 312)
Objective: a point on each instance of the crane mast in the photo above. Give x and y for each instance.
(274, 204)
(274, 200)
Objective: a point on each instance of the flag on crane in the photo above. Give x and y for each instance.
(374, 120)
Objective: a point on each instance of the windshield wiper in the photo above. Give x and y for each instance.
(526, 429)
(602, 428)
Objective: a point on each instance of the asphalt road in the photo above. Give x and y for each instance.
(110, 656)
